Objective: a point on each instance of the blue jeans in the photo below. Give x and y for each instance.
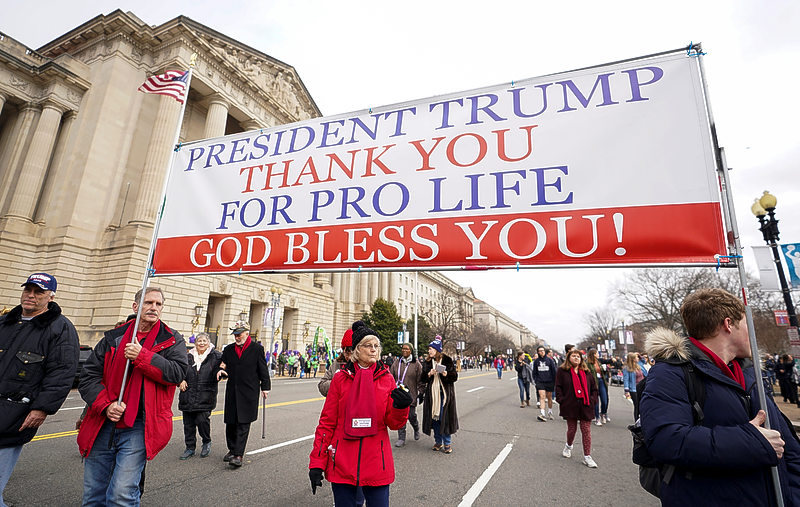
(602, 406)
(8, 460)
(438, 436)
(499, 372)
(111, 476)
(347, 495)
(524, 390)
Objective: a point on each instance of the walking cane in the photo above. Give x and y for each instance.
(263, 417)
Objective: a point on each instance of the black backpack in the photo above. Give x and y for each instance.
(651, 472)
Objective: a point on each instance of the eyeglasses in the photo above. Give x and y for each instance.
(373, 346)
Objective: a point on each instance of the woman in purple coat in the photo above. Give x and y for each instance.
(576, 394)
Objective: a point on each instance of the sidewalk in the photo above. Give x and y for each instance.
(791, 410)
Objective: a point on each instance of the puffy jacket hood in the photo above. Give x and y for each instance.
(665, 345)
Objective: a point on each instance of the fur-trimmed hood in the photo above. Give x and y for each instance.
(665, 345)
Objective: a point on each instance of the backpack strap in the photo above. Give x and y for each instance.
(696, 390)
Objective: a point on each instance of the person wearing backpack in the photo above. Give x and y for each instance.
(717, 453)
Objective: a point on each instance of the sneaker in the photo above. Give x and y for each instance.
(538, 404)
(400, 443)
(236, 461)
(541, 417)
(206, 450)
(188, 453)
(567, 452)
(550, 415)
(597, 422)
(416, 435)
(589, 462)
(606, 419)
(227, 457)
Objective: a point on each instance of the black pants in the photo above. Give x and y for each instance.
(196, 422)
(412, 419)
(635, 399)
(236, 437)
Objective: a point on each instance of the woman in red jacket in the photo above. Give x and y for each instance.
(351, 444)
(576, 394)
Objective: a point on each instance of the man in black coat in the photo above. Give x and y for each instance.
(244, 364)
(38, 360)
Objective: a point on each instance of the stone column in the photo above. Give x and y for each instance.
(385, 286)
(250, 124)
(29, 184)
(217, 117)
(393, 276)
(55, 178)
(159, 152)
(373, 287)
(363, 294)
(2, 102)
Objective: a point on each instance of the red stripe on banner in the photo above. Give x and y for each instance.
(666, 234)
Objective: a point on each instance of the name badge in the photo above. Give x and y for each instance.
(365, 422)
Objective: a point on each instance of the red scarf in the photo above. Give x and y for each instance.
(360, 412)
(241, 348)
(735, 374)
(133, 389)
(580, 385)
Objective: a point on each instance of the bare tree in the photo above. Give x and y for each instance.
(447, 317)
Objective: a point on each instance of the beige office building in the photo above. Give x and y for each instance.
(83, 158)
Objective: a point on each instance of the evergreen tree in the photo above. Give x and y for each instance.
(385, 320)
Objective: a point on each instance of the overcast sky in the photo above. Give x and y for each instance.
(354, 55)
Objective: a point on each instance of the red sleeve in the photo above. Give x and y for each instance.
(327, 424)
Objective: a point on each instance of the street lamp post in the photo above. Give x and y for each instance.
(763, 208)
(275, 303)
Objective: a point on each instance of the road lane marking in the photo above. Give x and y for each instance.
(487, 474)
(476, 389)
(70, 408)
(282, 444)
(175, 418)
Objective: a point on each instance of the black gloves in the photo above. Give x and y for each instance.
(402, 398)
(315, 474)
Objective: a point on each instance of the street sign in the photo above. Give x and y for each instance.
(794, 341)
(781, 317)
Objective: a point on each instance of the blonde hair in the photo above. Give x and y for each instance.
(630, 363)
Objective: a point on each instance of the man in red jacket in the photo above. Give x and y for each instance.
(117, 436)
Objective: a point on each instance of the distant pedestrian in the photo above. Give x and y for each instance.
(524, 378)
(407, 371)
(599, 369)
(784, 370)
(769, 367)
(439, 408)
(544, 376)
(631, 375)
(244, 363)
(339, 363)
(576, 392)
(198, 396)
(499, 365)
(351, 442)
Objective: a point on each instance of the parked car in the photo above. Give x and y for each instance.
(84, 353)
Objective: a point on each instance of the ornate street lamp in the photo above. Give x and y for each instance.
(275, 303)
(198, 311)
(764, 210)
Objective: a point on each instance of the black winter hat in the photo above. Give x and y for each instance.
(361, 331)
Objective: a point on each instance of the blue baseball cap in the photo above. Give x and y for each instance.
(43, 281)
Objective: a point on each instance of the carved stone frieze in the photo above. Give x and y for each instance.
(18, 82)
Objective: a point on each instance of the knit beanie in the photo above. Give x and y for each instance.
(436, 343)
(361, 331)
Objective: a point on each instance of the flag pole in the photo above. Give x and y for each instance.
(727, 206)
(151, 252)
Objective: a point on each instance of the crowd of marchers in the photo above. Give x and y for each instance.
(706, 433)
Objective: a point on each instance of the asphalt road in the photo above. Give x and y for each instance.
(500, 454)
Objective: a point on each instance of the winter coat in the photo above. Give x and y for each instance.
(38, 360)
(524, 371)
(364, 461)
(449, 413)
(325, 384)
(569, 406)
(544, 370)
(783, 370)
(604, 374)
(247, 377)
(412, 376)
(201, 386)
(163, 367)
(725, 460)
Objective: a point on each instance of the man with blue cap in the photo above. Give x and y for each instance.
(38, 359)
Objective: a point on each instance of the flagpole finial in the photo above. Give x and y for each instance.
(193, 60)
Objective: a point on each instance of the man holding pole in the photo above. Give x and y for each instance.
(244, 364)
(720, 453)
(112, 436)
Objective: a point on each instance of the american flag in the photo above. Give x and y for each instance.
(171, 83)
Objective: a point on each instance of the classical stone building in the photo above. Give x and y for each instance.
(83, 157)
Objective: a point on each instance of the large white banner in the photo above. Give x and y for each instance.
(606, 165)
